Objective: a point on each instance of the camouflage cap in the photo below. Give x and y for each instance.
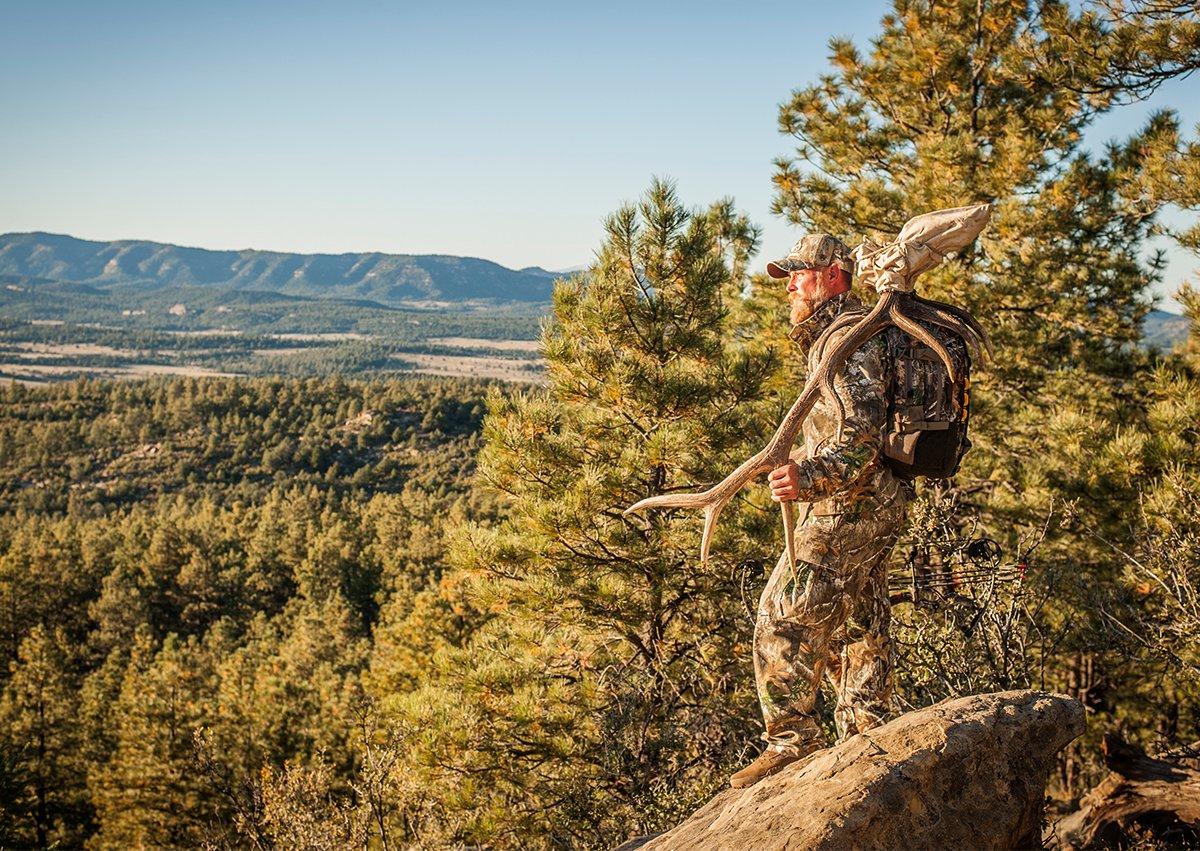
(813, 251)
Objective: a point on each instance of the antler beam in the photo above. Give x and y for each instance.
(901, 309)
(922, 243)
(775, 453)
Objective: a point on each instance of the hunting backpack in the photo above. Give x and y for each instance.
(928, 412)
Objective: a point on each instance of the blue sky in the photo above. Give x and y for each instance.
(504, 131)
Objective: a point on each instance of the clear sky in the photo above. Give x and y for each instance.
(504, 131)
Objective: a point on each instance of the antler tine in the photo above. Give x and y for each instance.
(830, 393)
(712, 501)
(965, 318)
(711, 512)
(910, 326)
(670, 500)
(931, 314)
(969, 321)
(843, 320)
(722, 491)
(954, 310)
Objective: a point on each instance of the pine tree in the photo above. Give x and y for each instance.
(38, 713)
(608, 686)
(147, 794)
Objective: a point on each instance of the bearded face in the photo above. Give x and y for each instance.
(808, 289)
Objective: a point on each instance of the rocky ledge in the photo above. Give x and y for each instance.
(964, 773)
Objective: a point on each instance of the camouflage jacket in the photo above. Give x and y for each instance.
(848, 474)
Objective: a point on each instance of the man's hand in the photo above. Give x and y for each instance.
(785, 482)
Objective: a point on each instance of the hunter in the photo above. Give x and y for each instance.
(830, 618)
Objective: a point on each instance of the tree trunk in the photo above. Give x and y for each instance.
(1142, 798)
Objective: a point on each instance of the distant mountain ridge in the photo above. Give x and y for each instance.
(390, 279)
(130, 271)
(1164, 330)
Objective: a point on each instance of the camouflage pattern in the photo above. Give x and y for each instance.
(813, 251)
(830, 619)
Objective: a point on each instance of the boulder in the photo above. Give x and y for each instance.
(964, 773)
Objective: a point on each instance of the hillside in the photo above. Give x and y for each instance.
(389, 279)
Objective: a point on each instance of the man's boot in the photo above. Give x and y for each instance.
(770, 761)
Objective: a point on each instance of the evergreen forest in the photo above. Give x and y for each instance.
(319, 611)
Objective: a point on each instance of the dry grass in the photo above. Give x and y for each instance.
(63, 350)
(272, 353)
(31, 373)
(476, 367)
(328, 336)
(480, 343)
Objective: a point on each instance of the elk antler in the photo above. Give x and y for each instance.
(897, 306)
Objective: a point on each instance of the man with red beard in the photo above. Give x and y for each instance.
(830, 617)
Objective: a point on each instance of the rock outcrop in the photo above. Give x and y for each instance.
(965, 773)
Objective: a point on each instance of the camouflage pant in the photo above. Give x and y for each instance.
(830, 619)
